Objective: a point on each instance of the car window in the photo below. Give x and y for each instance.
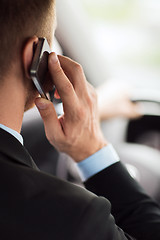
(127, 32)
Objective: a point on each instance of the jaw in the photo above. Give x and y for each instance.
(32, 94)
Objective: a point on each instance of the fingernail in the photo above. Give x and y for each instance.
(41, 103)
(54, 58)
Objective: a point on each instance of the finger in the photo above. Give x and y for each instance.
(63, 85)
(74, 72)
(52, 125)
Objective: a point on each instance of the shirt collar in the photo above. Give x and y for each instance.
(17, 135)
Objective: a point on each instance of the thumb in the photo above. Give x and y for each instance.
(51, 122)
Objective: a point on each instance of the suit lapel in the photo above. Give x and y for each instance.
(12, 148)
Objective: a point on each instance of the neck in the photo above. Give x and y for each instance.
(12, 103)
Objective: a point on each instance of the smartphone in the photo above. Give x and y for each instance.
(39, 65)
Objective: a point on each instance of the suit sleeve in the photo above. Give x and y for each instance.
(135, 212)
(97, 223)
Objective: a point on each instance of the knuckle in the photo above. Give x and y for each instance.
(89, 102)
(78, 68)
(78, 115)
(93, 95)
(89, 99)
(81, 113)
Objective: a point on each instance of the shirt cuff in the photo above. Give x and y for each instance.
(95, 163)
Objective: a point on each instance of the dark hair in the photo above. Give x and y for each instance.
(19, 20)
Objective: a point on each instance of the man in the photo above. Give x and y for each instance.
(34, 205)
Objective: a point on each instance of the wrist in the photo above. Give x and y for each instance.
(89, 151)
(102, 159)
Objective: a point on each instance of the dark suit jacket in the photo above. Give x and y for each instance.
(37, 206)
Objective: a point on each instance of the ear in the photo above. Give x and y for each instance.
(27, 54)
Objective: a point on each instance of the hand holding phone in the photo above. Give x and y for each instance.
(77, 131)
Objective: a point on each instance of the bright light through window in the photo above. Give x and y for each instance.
(128, 34)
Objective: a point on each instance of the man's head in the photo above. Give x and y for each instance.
(20, 20)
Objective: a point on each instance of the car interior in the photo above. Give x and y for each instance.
(111, 40)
